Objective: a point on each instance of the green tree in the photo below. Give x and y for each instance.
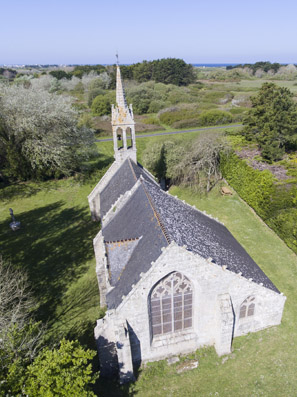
(93, 93)
(60, 74)
(272, 121)
(173, 71)
(162, 159)
(199, 166)
(66, 371)
(101, 105)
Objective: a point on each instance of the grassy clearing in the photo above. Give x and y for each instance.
(262, 364)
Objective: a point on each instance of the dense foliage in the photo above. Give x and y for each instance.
(162, 159)
(191, 117)
(168, 71)
(61, 372)
(265, 66)
(39, 137)
(80, 70)
(60, 74)
(276, 204)
(272, 121)
(196, 165)
(101, 105)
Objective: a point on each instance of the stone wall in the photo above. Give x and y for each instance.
(216, 291)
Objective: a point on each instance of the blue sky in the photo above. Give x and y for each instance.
(91, 31)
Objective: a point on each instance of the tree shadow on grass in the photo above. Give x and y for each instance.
(96, 168)
(16, 190)
(53, 247)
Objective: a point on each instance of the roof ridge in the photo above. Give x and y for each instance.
(157, 215)
(122, 241)
(132, 169)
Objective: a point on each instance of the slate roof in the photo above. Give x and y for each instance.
(136, 219)
(205, 236)
(157, 218)
(122, 181)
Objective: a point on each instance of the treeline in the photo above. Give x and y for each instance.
(265, 66)
(168, 71)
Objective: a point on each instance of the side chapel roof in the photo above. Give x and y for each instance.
(156, 218)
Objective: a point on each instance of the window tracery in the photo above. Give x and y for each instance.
(247, 308)
(171, 304)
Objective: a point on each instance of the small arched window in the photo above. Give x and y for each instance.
(247, 308)
(171, 304)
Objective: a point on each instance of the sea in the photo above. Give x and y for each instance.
(214, 65)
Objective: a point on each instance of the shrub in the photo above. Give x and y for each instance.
(151, 120)
(172, 116)
(66, 371)
(214, 117)
(101, 105)
(93, 93)
(156, 105)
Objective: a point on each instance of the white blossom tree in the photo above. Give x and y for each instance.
(39, 136)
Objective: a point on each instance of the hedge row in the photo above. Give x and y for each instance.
(275, 204)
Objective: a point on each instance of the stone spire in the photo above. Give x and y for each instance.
(120, 94)
(123, 125)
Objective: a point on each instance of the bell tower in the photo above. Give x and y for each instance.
(123, 125)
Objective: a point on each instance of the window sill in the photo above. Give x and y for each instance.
(172, 338)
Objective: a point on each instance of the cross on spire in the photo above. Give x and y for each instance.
(117, 56)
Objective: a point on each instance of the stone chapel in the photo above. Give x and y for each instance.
(173, 279)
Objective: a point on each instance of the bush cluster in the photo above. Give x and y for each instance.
(183, 118)
(275, 203)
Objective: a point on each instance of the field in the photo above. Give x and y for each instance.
(54, 246)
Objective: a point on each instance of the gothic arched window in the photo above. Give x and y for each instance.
(171, 304)
(247, 308)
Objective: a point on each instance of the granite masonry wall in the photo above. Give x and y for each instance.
(217, 297)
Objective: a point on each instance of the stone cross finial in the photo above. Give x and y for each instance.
(117, 56)
(11, 214)
(14, 225)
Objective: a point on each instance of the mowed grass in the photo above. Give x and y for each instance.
(261, 364)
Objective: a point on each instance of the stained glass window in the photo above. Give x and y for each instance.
(247, 308)
(171, 304)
